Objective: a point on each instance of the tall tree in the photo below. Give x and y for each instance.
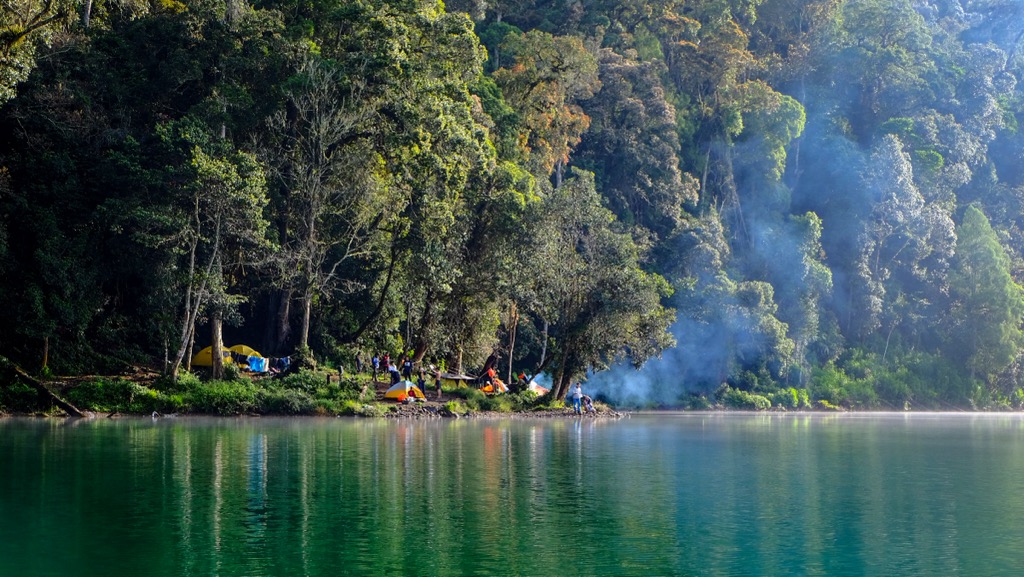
(988, 304)
(550, 77)
(334, 182)
(217, 197)
(633, 147)
(602, 305)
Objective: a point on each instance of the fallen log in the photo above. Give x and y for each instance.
(45, 391)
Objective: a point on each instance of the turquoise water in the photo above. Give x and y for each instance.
(673, 494)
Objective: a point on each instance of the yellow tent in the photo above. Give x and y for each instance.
(403, 390)
(204, 358)
(452, 380)
(245, 350)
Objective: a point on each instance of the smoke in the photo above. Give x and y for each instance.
(723, 322)
(732, 318)
(708, 350)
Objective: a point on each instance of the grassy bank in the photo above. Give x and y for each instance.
(314, 393)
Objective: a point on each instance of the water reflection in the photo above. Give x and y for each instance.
(682, 494)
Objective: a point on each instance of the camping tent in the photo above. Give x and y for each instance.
(497, 387)
(403, 390)
(244, 350)
(204, 358)
(452, 380)
(533, 386)
(250, 359)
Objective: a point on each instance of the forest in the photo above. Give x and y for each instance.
(689, 203)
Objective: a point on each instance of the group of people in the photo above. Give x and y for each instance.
(381, 363)
(581, 402)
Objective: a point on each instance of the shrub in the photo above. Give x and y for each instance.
(231, 372)
(552, 404)
(18, 397)
(456, 407)
(497, 403)
(786, 398)
(101, 395)
(285, 402)
(523, 400)
(697, 403)
(1017, 398)
(222, 398)
(186, 381)
(349, 407)
(373, 410)
(738, 399)
(349, 387)
(829, 384)
(824, 404)
(305, 380)
(791, 398)
(145, 400)
(473, 398)
(173, 403)
(805, 399)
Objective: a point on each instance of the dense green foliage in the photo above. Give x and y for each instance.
(793, 203)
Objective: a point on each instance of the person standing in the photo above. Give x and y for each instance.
(577, 399)
(375, 361)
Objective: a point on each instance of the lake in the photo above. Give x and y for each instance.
(665, 494)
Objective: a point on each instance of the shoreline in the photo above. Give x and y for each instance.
(438, 411)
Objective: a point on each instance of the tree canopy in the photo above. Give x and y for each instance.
(700, 197)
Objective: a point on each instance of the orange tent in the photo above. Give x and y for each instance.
(403, 390)
(497, 387)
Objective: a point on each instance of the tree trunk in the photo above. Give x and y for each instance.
(43, 390)
(544, 346)
(46, 352)
(557, 389)
(421, 345)
(86, 13)
(514, 322)
(217, 344)
(270, 327)
(307, 314)
(380, 301)
(565, 375)
(284, 319)
(279, 330)
(188, 324)
(190, 350)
